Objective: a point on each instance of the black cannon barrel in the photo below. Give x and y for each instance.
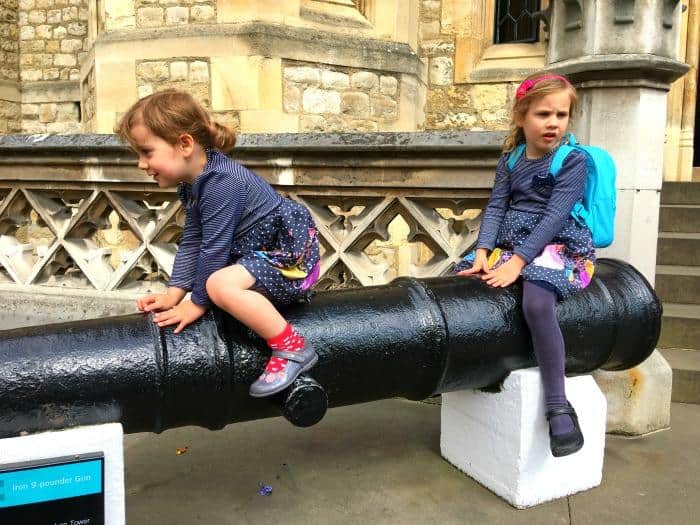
(411, 338)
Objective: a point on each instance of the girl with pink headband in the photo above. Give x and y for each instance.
(527, 233)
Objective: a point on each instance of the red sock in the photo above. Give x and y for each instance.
(289, 341)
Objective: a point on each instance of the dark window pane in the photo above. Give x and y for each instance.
(515, 22)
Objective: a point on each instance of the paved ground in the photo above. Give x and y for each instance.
(380, 463)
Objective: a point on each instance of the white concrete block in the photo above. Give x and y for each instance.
(502, 440)
(107, 439)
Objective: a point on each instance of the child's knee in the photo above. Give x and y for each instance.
(214, 285)
(226, 282)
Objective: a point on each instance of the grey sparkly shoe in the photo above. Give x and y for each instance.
(270, 383)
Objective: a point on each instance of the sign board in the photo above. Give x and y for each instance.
(57, 491)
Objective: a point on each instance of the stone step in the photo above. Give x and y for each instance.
(680, 326)
(680, 193)
(678, 284)
(679, 218)
(686, 374)
(678, 249)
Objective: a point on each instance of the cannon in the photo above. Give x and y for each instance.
(412, 338)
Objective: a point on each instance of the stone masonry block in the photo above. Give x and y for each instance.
(292, 98)
(145, 90)
(335, 80)
(639, 399)
(384, 107)
(27, 32)
(53, 16)
(29, 110)
(430, 9)
(199, 71)
(321, 101)
(312, 123)
(47, 113)
(149, 17)
(441, 71)
(355, 104)
(70, 13)
(77, 29)
(388, 85)
(33, 46)
(178, 71)
(64, 60)
(71, 45)
(364, 80)
(36, 17)
(31, 75)
(176, 16)
(153, 71)
(43, 31)
(202, 14)
(303, 75)
(429, 29)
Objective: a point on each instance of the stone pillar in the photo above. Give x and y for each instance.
(622, 58)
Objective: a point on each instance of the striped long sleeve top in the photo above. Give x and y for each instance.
(224, 202)
(552, 198)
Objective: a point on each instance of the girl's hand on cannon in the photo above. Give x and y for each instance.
(506, 274)
(183, 314)
(481, 264)
(160, 302)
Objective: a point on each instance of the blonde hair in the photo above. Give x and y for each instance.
(546, 85)
(171, 113)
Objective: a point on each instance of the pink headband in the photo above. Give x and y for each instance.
(527, 85)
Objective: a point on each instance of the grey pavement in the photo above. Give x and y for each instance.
(380, 463)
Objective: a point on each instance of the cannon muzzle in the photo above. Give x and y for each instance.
(411, 338)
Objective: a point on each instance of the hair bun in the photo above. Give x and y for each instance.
(222, 137)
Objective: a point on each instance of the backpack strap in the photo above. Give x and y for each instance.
(559, 158)
(514, 155)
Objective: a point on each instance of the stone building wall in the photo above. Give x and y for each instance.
(53, 45)
(159, 13)
(190, 74)
(169, 12)
(10, 119)
(9, 46)
(52, 39)
(333, 99)
(450, 105)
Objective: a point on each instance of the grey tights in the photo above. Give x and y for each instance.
(539, 304)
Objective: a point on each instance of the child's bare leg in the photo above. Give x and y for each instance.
(229, 289)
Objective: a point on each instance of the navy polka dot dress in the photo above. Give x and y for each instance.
(529, 214)
(233, 216)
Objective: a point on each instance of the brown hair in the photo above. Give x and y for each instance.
(541, 88)
(171, 113)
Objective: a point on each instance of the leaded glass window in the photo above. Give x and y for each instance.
(515, 21)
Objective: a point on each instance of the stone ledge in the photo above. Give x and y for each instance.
(282, 143)
(621, 69)
(265, 39)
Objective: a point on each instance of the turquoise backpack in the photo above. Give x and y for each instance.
(597, 211)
